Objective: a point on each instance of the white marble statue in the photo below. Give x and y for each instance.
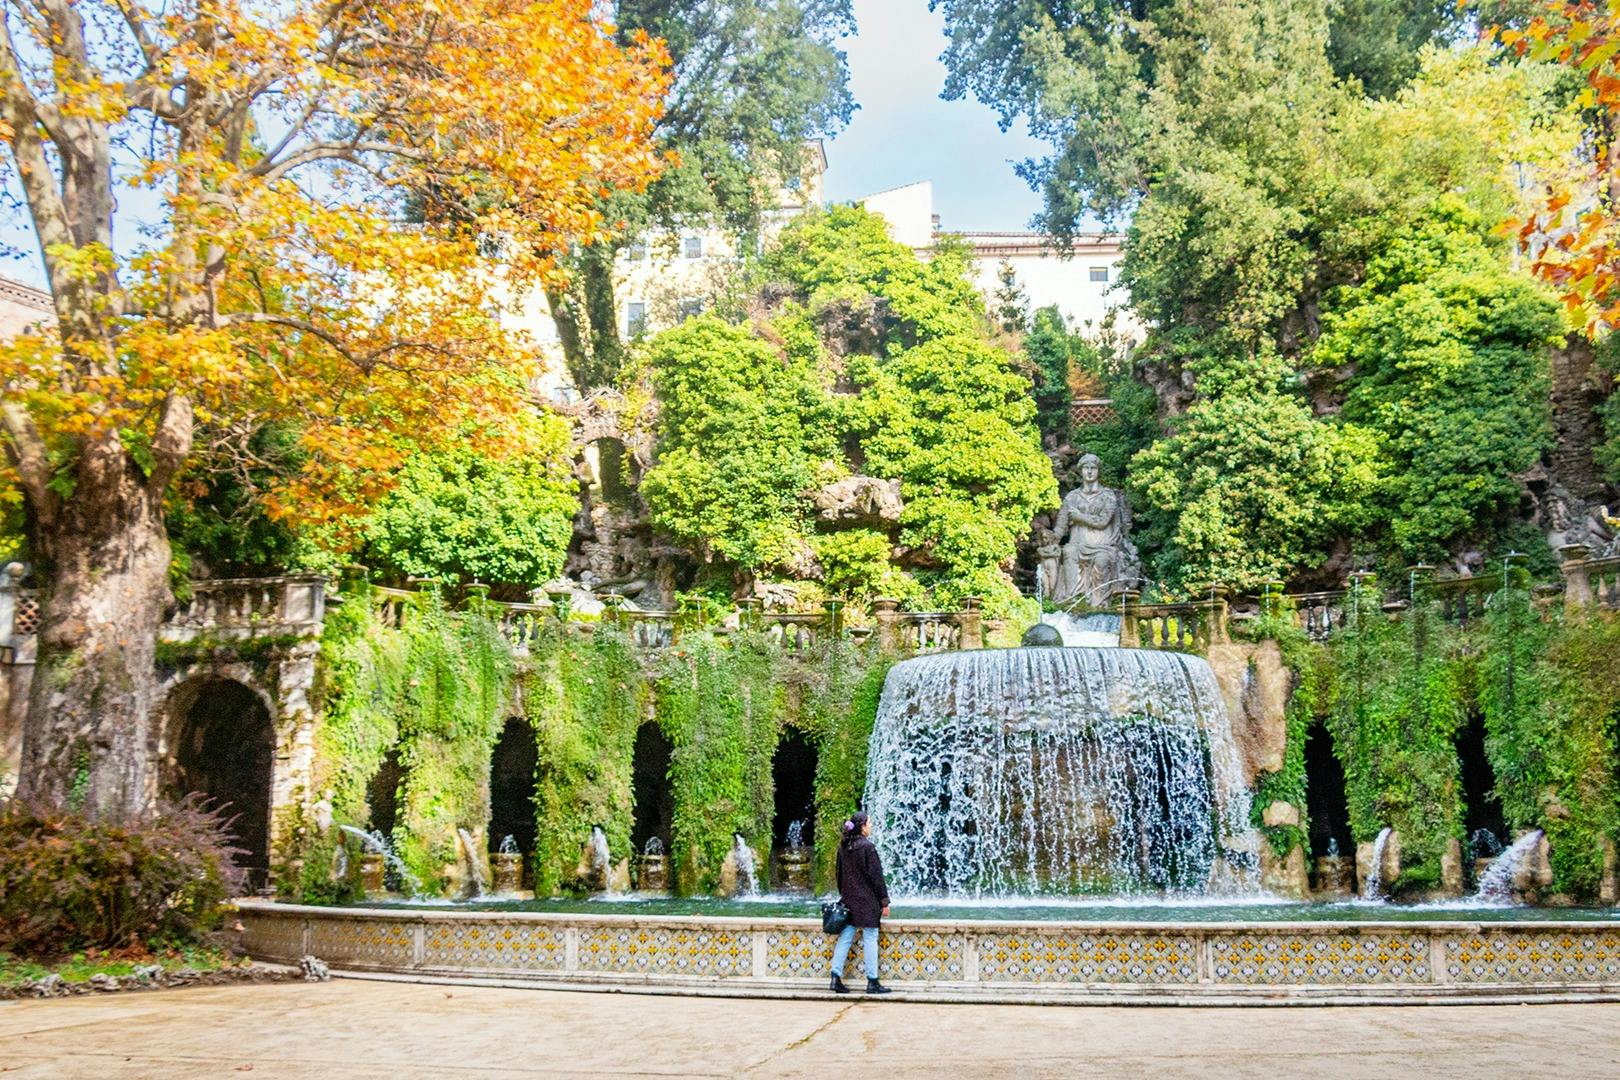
(1093, 527)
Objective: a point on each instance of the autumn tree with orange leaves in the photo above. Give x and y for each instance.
(276, 284)
(1575, 240)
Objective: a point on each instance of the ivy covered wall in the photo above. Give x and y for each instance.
(438, 691)
(1393, 691)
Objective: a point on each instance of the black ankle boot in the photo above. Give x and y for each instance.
(838, 986)
(875, 987)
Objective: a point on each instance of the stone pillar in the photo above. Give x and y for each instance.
(1609, 883)
(886, 613)
(303, 603)
(1577, 577)
(970, 624)
(1129, 637)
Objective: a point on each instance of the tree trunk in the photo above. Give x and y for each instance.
(87, 738)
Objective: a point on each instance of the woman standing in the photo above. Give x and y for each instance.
(866, 895)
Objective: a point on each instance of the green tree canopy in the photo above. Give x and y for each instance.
(865, 362)
(460, 515)
(1450, 351)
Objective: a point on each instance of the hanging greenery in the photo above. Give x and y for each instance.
(584, 698)
(1397, 705)
(453, 703)
(1547, 689)
(356, 695)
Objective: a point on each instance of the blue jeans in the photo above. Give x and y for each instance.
(846, 938)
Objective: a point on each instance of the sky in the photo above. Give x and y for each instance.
(903, 132)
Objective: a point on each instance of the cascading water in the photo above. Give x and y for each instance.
(747, 874)
(476, 884)
(795, 835)
(1496, 883)
(601, 861)
(1374, 889)
(1058, 770)
(508, 846)
(1097, 630)
(378, 844)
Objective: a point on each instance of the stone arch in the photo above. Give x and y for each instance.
(512, 812)
(793, 773)
(220, 743)
(653, 799)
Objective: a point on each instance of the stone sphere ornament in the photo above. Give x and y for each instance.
(1043, 636)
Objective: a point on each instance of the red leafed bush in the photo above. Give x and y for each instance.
(70, 881)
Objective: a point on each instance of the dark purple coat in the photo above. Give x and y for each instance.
(860, 882)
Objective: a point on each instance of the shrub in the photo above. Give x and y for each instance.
(69, 881)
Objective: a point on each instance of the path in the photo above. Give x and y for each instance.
(351, 1029)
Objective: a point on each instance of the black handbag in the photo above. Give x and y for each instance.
(834, 916)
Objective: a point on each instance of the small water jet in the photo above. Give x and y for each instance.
(794, 859)
(1374, 888)
(599, 862)
(1497, 885)
(1058, 770)
(376, 845)
(654, 872)
(506, 868)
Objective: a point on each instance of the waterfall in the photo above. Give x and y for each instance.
(476, 885)
(747, 876)
(1374, 888)
(1045, 770)
(1496, 883)
(508, 846)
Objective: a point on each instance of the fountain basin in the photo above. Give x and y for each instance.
(1437, 954)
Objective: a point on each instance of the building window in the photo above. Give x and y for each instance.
(689, 307)
(692, 247)
(1099, 273)
(635, 317)
(636, 252)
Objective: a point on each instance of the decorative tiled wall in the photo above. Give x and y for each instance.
(1333, 957)
(786, 952)
(661, 950)
(1155, 959)
(371, 943)
(512, 945)
(1530, 957)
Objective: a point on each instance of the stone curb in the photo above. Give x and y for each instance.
(150, 977)
(1189, 997)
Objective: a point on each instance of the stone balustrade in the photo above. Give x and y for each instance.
(1189, 626)
(233, 609)
(227, 609)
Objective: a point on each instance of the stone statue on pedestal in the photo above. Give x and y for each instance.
(1093, 531)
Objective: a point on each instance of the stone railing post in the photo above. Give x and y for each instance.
(970, 624)
(886, 613)
(1577, 576)
(1219, 609)
(1129, 637)
(303, 603)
